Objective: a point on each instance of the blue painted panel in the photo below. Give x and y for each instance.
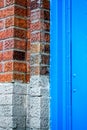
(79, 65)
(60, 70)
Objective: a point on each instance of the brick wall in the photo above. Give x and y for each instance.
(24, 61)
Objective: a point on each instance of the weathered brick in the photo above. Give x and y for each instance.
(9, 2)
(34, 5)
(35, 15)
(45, 48)
(36, 37)
(35, 26)
(45, 59)
(35, 59)
(35, 48)
(44, 70)
(35, 70)
(19, 2)
(8, 44)
(43, 37)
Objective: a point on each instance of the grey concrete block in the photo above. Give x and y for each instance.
(35, 122)
(20, 122)
(6, 88)
(6, 110)
(6, 122)
(19, 111)
(44, 122)
(20, 88)
(19, 99)
(6, 99)
(6, 128)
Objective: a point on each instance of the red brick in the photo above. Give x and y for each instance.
(28, 68)
(6, 33)
(27, 78)
(1, 3)
(28, 45)
(1, 24)
(19, 77)
(1, 56)
(8, 55)
(22, 23)
(28, 34)
(8, 67)
(21, 2)
(1, 67)
(1, 46)
(20, 44)
(28, 56)
(20, 11)
(19, 55)
(7, 12)
(28, 12)
(9, 22)
(6, 77)
(45, 4)
(19, 33)
(28, 23)
(21, 67)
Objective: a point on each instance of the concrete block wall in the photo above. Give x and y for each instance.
(24, 65)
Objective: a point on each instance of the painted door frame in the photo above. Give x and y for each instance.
(60, 65)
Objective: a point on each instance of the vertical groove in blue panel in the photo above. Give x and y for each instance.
(56, 65)
(53, 67)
